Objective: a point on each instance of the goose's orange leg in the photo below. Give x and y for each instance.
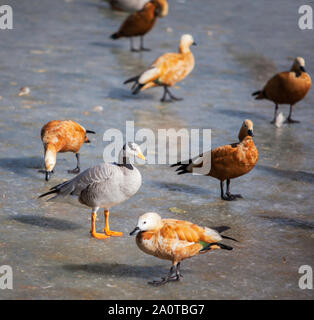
(93, 229)
(106, 230)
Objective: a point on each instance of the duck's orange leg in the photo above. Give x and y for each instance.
(106, 230)
(93, 229)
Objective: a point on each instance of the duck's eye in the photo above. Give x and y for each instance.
(144, 222)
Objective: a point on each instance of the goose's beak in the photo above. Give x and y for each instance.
(139, 155)
(250, 133)
(302, 69)
(194, 44)
(135, 231)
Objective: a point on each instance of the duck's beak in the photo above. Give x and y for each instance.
(48, 175)
(194, 44)
(302, 69)
(250, 133)
(140, 155)
(135, 231)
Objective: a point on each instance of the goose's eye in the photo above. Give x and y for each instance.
(144, 222)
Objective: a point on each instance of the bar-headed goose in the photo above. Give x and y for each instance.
(103, 186)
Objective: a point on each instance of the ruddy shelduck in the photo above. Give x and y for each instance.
(287, 87)
(167, 70)
(141, 22)
(102, 186)
(62, 136)
(175, 240)
(127, 5)
(226, 162)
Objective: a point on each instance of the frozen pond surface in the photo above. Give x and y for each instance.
(62, 51)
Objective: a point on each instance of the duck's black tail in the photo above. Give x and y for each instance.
(136, 86)
(115, 36)
(182, 169)
(217, 244)
(260, 94)
(221, 229)
(131, 80)
(256, 93)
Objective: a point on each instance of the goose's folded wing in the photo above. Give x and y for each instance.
(97, 174)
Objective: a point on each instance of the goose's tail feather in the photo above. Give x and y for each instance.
(54, 191)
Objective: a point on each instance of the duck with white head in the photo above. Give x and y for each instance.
(175, 240)
(167, 70)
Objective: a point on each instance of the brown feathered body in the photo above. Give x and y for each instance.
(229, 161)
(233, 160)
(176, 240)
(171, 68)
(168, 69)
(142, 21)
(61, 136)
(286, 88)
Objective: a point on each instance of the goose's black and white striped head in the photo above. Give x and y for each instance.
(129, 151)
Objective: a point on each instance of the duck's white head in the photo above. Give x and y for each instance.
(185, 42)
(161, 8)
(130, 150)
(246, 129)
(50, 160)
(146, 222)
(298, 65)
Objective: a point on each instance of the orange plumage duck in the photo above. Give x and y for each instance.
(141, 22)
(226, 162)
(167, 70)
(62, 136)
(175, 240)
(287, 87)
